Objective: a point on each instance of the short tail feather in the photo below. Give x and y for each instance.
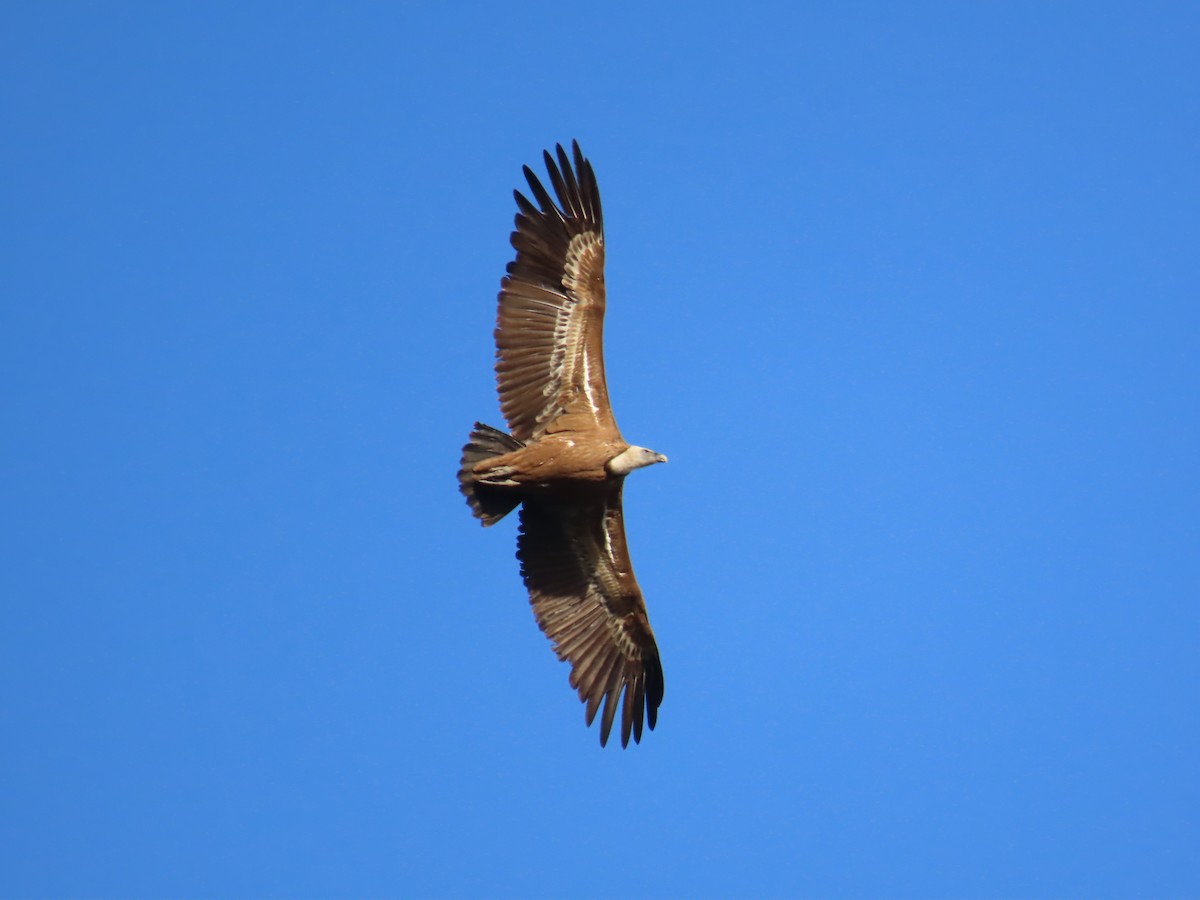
(491, 504)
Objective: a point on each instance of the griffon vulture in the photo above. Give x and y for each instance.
(564, 460)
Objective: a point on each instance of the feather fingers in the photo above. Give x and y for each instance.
(599, 688)
(627, 716)
(558, 180)
(639, 703)
(570, 196)
(612, 696)
(543, 198)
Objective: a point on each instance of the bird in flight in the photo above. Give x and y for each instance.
(563, 459)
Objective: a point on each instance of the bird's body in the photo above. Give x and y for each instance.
(555, 462)
(565, 461)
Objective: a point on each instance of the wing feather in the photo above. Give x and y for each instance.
(564, 182)
(617, 680)
(546, 203)
(575, 563)
(639, 698)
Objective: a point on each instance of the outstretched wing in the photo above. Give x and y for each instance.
(576, 566)
(550, 327)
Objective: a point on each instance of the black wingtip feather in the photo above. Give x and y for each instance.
(654, 692)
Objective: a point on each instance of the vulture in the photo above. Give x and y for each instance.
(563, 459)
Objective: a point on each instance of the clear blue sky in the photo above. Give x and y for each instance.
(908, 293)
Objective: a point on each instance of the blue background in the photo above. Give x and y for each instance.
(907, 292)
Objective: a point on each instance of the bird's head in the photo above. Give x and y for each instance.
(633, 458)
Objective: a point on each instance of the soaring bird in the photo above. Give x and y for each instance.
(564, 460)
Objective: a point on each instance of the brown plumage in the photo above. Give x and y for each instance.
(565, 460)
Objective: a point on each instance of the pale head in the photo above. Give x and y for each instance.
(633, 458)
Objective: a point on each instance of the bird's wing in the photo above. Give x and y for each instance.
(550, 326)
(576, 566)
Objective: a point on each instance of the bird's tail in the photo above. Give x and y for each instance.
(488, 502)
